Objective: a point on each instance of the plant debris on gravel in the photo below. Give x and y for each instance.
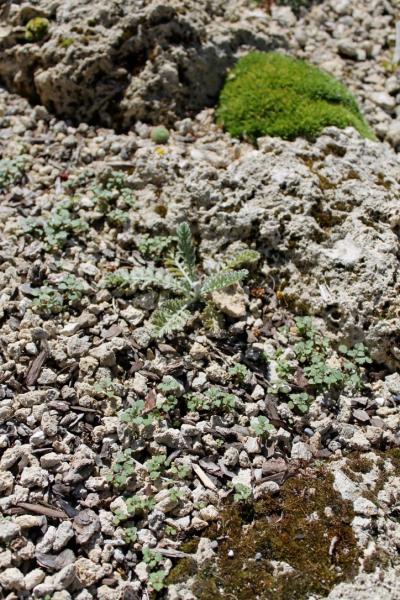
(199, 337)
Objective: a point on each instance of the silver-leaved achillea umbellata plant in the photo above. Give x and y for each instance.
(188, 288)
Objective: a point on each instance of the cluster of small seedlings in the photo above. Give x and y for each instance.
(12, 171)
(308, 353)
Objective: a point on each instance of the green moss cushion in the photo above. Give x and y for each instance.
(267, 93)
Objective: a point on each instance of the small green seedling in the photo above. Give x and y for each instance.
(239, 373)
(213, 399)
(52, 299)
(130, 535)
(157, 580)
(122, 469)
(300, 401)
(113, 188)
(137, 418)
(261, 426)
(12, 171)
(156, 466)
(151, 558)
(106, 388)
(243, 493)
(57, 228)
(160, 135)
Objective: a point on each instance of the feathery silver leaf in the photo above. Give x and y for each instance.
(245, 257)
(186, 247)
(171, 316)
(219, 281)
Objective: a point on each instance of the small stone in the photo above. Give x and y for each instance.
(345, 486)
(205, 552)
(88, 269)
(198, 524)
(244, 477)
(301, 451)
(64, 533)
(349, 49)
(172, 438)
(6, 482)
(104, 354)
(86, 523)
(87, 572)
(142, 337)
(384, 100)
(70, 329)
(37, 439)
(52, 460)
(359, 441)
(133, 315)
(31, 348)
(252, 409)
(12, 579)
(64, 577)
(231, 457)
(267, 488)
(33, 578)
(147, 538)
(231, 554)
(77, 346)
(361, 415)
(281, 568)
(363, 506)
(141, 571)
(47, 377)
(5, 559)
(231, 302)
(199, 381)
(8, 530)
(49, 424)
(30, 521)
(139, 384)
(198, 351)
(252, 445)
(34, 477)
(217, 374)
(258, 393)
(392, 382)
(209, 513)
(46, 543)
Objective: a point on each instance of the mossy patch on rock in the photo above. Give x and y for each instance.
(283, 547)
(268, 93)
(36, 29)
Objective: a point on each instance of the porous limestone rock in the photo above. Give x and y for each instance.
(126, 60)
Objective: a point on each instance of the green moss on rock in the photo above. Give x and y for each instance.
(318, 547)
(160, 135)
(36, 29)
(268, 93)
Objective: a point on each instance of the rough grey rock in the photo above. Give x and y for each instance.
(380, 585)
(128, 60)
(327, 216)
